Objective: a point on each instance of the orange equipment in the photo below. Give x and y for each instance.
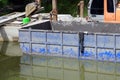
(111, 15)
(104, 10)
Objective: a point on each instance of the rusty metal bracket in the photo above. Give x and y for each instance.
(53, 15)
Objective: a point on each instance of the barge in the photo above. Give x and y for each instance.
(92, 40)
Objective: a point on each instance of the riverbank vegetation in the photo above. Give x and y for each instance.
(64, 6)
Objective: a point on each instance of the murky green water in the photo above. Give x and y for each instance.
(16, 66)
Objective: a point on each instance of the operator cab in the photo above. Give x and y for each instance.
(96, 9)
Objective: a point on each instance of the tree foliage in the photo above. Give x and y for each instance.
(64, 6)
(3, 3)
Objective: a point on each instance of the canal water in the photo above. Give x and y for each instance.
(14, 65)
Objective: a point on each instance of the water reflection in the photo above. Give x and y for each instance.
(9, 60)
(54, 68)
(10, 49)
(32, 67)
(9, 68)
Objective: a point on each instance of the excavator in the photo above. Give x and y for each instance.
(104, 10)
(35, 7)
(98, 10)
(30, 9)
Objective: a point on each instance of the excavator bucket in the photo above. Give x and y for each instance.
(33, 8)
(30, 8)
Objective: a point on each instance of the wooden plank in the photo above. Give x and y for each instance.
(5, 19)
